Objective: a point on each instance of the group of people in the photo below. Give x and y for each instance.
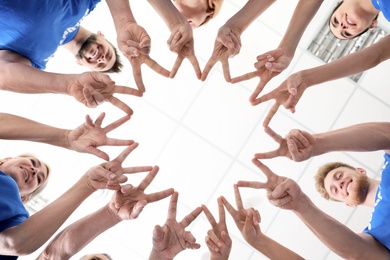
(30, 34)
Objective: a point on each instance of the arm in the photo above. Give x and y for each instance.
(85, 138)
(36, 230)
(131, 201)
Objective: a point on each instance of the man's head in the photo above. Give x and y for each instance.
(30, 174)
(341, 182)
(98, 54)
(348, 20)
(96, 257)
(198, 12)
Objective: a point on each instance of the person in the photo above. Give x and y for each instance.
(21, 234)
(292, 89)
(85, 138)
(25, 53)
(126, 204)
(248, 222)
(172, 238)
(348, 20)
(285, 193)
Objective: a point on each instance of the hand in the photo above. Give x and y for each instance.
(218, 240)
(247, 220)
(93, 88)
(90, 135)
(226, 45)
(172, 238)
(110, 175)
(129, 202)
(297, 146)
(268, 65)
(288, 94)
(181, 42)
(281, 191)
(134, 43)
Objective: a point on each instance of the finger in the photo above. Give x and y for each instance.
(221, 210)
(123, 155)
(267, 155)
(88, 97)
(211, 244)
(88, 120)
(258, 90)
(277, 138)
(247, 76)
(97, 152)
(156, 67)
(121, 105)
(191, 217)
(136, 169)
(236, 43)
(98, 122)
(137, 74)
(116, 124)
(173, 206)
(195, 65)
(159, 195)
(262, 99)
(148, 178)
(226, 238)
(251, 184)
(137, 209)
(174, 42)
(189, 237)
(263, 168)
(214, 238)
(282, 202)
(158, 234)
(270, 114)
(209, 216)
(176, 66)
(237, 195)
(232, 211)
(145, 45)
(127, 90)
(226, 70)
(207, 68)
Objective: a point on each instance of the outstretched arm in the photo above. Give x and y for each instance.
(286, 194)
(37, 229)
(131, 200)
(85, 138)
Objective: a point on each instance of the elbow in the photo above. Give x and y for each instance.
(17, 247)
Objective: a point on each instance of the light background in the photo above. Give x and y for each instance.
(203, 134)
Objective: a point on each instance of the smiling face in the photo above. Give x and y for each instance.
(347, 185)
(28, 172)
(96, 53)
(349, 20)
(195, 11)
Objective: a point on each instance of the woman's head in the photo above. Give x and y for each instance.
(352, 18)
(198, 12)
(29, 173)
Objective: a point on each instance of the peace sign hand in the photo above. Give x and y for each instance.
(218, 240)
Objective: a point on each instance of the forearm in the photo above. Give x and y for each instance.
(79, 234)
(23, 78)
(348, 65)
(121, 12)
(371, 136)
(36, 230)
(168, 13)
(247, 14)
(273, 250)
(19, 128)
(336, 236)
(303, 14)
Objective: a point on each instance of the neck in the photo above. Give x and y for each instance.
(74, 45)
(373, 188)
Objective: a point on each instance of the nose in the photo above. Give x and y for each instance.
(101, 59)
(344, 26)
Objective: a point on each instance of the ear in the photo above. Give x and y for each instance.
(350, 205)
(373, 24)
(79, 62)
(4, 160)
(100, 34)
(24, 198)
(361, 170)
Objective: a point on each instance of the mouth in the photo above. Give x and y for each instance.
(349, 21)
(26, 175)
(348, 188)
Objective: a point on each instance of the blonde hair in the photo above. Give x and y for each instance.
(319, 177)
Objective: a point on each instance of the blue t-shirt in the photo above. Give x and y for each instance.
(379, 226)
(12, 210)
(383, 6)
(36, 28)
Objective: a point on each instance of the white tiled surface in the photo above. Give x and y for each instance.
(203, 134)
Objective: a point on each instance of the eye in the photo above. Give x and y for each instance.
(348, 34)
(33, 162)
(335, 20)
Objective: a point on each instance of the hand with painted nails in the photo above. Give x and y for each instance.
(226, 45)
(172, 238)
(218, 240)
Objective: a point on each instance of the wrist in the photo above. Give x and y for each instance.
(156, 255)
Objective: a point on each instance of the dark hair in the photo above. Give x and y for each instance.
(334, 10)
